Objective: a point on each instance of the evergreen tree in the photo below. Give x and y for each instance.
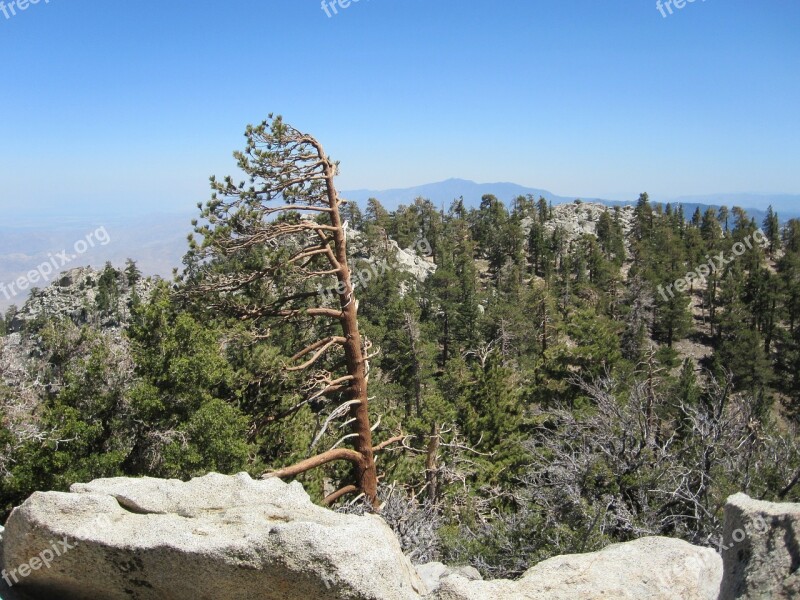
(279, 243)
(132, 272)
(687, 388)
(697, 218)
(352, 214)
(376, 221)
(543, 210)
(772, 229)
(108, 290)
(453, 291)
(492, 418)
(667, 269)
(724, 215)
(610, 237)
(643, 224)
(709, 228)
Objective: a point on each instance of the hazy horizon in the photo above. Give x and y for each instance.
(22, 215)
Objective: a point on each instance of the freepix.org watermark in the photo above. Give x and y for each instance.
(57, 549)
(44, 559)
(55, 263)
(361, 278)
(715, 264)
(331, 7)
(759, 525)
(665, 7)
(10, 9)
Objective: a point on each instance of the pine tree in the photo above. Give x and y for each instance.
(739, 344)
(351, 213)
(709, 228)
(493, 420)
(772, 229)
(543, 210)
(643, 224)
(376, 221)
(638, 319)
(610, 237)
(789, 271)
(453, 290)
(697, 218)
(723, 216)
(108, 291)
(132, 272)
(666, 269)
(271, 250)
(687, 389)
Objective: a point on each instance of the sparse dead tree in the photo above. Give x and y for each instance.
(412, 330)
(482, 352)
(506, 338)
(607, 477)
(432, 462)
(275, 248)
(415, 521)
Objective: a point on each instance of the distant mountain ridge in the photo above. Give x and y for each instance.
(442, 193)
(787, 205)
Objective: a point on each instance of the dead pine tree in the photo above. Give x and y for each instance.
(283, 232)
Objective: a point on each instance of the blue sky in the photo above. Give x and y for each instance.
(120, 107)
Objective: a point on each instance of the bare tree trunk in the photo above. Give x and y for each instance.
(446, 340)
(412, 329)
(431, 463)
(365, 473)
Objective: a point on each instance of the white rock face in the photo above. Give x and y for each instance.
(433, 572)
(72, 292)
(409, 261)
(213, 538)
(232, 538)
(646, 569)
(761, 549)
(575, 220)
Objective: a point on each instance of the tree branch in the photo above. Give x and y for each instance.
(317, 344)
(321, 347)
(331, 498)
(298, 207)
(387, 443)
(317, 461)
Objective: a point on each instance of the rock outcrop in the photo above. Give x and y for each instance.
(230, 537)
(760, 550)
(215, 537)
(73, 295)
(414, 261)
(649, 568)
(575, 219)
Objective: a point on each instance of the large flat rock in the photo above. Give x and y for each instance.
(212, 538)
(651, 568)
